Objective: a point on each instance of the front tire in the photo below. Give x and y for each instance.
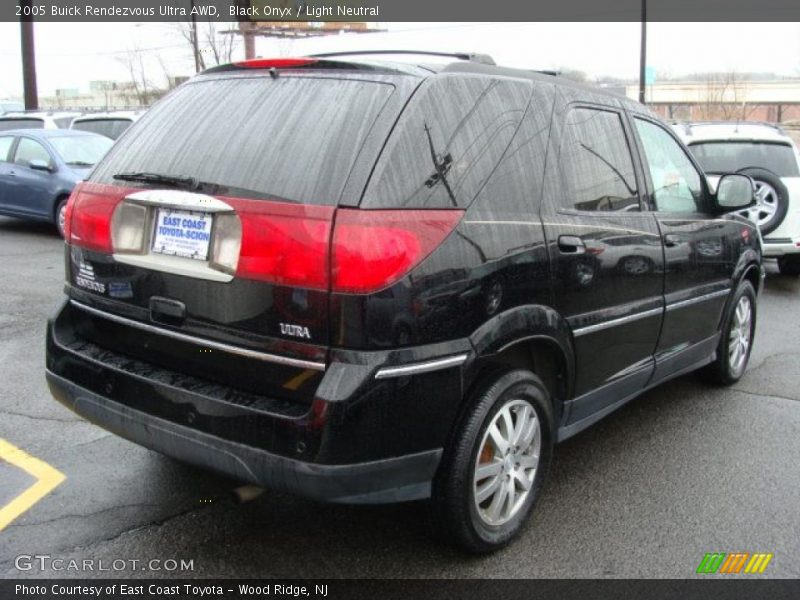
(736, 341)
(789, 265)
(493, 471)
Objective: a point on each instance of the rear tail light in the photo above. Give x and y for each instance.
(287, 244)
(373, 249)
(283, 243)
(227, 243)
(90, 209)
(128, 226)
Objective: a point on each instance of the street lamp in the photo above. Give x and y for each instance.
(643, 52)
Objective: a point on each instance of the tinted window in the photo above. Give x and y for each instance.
(288, 137)
(5, 147)
(597, 162)
(676, 183)
(6, 124)
(28, 150)
(447, 142)
(111, 128)
(730, 157)
(81, 150)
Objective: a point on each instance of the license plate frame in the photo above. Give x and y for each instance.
(177, 232)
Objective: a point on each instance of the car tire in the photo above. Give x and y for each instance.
(789, 265)
(459, 515)
(771, 207)
(738, 331)
(60, 214)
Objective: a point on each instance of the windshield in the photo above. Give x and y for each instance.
(81, 150)
(288, 138)
(111, 128)
(730, 157)
(22, 123)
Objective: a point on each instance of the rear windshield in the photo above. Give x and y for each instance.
(6, 124)
(729, 157)
(81, 150)
(289, 138)
(111, 128)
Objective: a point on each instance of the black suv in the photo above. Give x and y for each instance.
(370, 282)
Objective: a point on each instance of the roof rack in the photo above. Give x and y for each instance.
(483, 59)
(687, 125)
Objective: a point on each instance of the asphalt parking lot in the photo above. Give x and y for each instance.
(683, 470)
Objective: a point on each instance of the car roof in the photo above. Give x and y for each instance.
(38, 114)
(49, 133)
(131, 115)
(354, 61)
(694, 132)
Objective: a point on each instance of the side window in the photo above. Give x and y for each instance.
(677, 185)
(447, 142)
(597, 162)
(5, 147)
(28, 150)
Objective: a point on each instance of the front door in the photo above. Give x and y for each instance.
(700, 250)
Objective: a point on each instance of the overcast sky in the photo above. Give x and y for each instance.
(69, 55)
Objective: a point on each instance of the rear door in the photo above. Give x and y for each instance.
(240, 256)
(6, 167)
(700, 250)
(606, 256)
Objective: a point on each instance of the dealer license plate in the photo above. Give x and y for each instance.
(182, 233)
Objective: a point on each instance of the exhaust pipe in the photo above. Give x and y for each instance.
(247, 493)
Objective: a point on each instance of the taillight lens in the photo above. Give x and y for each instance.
(373, 249)
(275, 63)
(283, 243)
(89, 216)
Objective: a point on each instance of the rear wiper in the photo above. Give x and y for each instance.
(80, 163)
(159, 179)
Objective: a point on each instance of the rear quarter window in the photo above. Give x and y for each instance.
(287, 138)
(730, 157)
(447, 142)
(111, 128)
(6, 124)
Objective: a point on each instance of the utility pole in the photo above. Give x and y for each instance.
(194, 40)
(643, 53)
(28, 61)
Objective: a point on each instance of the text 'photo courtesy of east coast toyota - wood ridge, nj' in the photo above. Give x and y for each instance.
(382, 299)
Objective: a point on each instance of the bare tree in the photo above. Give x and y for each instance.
(140, 88)
(215, 45)
(726, 97)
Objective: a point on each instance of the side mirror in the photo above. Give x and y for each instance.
(37, 164)
(735, 192)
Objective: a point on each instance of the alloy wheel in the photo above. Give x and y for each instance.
(506, 463)
(740, 335)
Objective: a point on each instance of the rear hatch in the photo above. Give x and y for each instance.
(202, 241)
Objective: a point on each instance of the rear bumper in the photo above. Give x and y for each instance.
(390, 480)
(370, 435)
(780, 247)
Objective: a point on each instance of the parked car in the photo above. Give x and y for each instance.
(39, 168)
(11, 106)
(768, 155)
(475, 199)
(110, 124)
(37, 120)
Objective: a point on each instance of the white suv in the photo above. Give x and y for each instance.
(764, 152)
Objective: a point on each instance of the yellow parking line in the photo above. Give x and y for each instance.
(47, 479)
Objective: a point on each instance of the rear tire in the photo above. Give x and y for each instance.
(493, 471)
(60, 215)
(736, 340)
(789, 265)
